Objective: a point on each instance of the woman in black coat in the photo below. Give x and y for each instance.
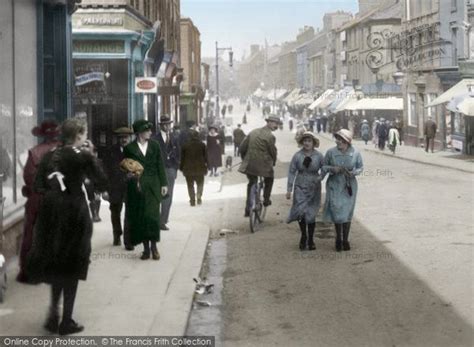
(214, 148)
(62, 242)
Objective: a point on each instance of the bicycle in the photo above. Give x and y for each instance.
(257, 210)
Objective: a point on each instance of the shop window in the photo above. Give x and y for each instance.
(459, 124)
(412, 112)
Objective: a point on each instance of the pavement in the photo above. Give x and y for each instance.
(123, 295)
(446, 159)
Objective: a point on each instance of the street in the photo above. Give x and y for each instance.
(407, 280)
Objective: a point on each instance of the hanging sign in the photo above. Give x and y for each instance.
(146, 85)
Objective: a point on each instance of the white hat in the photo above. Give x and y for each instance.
(345, 134)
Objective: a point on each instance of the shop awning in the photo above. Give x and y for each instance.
(305, 99)
(258, 93)
(462, 87)
(376, 104)
(326, 95)
(292, 96)
(466, 106)
(337, 98)
(276, 94)
(352, 98)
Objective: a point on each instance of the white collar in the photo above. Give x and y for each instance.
(143, 148)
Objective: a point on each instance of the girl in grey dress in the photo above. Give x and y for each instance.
(305, 180)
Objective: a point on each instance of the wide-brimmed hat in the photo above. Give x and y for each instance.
(213, 127)
(123, 131)
(345, 134)
(141, 125)
(48, 128)
(309, 134)
(273, 118)
(365, 121)
(165, 119)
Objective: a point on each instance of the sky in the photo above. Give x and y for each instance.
(240, 23)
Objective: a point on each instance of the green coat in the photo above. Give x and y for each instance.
(143, 206)
(259, 153)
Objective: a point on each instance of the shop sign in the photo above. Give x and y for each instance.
(98, 47)
(146, 85)
(409, 48)
(89, 77)
(103, 21)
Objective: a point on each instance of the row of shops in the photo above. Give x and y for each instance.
(451, 110)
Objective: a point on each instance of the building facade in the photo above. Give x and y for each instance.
(435, 38)
(35, 60)
(192, 92)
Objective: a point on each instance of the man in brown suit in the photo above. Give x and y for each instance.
(430, 133)
(259, 155)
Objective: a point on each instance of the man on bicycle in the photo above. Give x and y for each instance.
(259, 155)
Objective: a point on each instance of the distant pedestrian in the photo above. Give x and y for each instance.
(304, 178)
(318, 123)
(365, 131)
(382, 133)
(117, 186)
(146, 191)
(214, 153)
(62, 241)
(239, 136)
(343, 163)
(430, 133)
(194, 167)
(324, 122)
(49, 131)
(170, 153)
(375, 128)
(290, 123)
(393, 138)
(244, 119)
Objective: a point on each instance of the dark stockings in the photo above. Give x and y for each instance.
(307, 237)
(342, 236)
(69, 289)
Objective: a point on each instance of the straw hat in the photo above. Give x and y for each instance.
(345, 134)
(309, 134)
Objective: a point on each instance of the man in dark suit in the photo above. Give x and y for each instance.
(170, 152)
(117, 184)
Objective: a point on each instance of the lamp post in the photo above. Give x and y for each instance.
(217, 72)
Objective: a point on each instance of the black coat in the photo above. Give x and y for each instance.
(193, 158)
(214, 154)
(62, 238)
(117, 186)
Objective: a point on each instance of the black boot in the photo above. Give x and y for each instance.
(346, 227)
(146, 250)
(117, 241)
(52, 322)
(338, 237)
(303, 238)
(311, 245)
(69, 326)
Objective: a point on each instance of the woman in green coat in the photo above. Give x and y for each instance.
(144, 193)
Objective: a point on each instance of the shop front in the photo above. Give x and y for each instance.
(109, 52)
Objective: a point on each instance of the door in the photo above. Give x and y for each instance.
(101, 126)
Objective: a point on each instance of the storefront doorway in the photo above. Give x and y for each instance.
(100, 121)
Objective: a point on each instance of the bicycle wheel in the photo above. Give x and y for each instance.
(255, 210)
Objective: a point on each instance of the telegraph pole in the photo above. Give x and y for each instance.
(217, 73)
